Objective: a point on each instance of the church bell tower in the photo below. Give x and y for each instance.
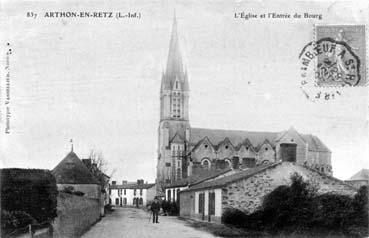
(174, 124)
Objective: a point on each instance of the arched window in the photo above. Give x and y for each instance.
(125, 201)
(141, 201)
(134, 201)
(228, 163)
(205, 163)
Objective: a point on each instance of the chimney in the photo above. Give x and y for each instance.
(124, 182)
(114, 182)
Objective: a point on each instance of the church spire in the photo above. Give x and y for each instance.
(174, 64)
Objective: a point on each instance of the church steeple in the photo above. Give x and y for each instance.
(174, 70)
(174, 62)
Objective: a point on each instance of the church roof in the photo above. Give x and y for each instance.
(256, 138)
(217, 136)
(361, 175)
(71, 170)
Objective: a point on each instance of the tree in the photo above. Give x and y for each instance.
(99, 166)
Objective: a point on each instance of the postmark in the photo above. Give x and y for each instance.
(336, 58)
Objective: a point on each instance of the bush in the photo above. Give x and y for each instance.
(32, 191)
(235, 217)
(298, 209)
(13, 220)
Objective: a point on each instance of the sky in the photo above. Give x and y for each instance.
(97, 81)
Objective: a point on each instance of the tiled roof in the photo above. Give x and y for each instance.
(361, 175)
(216, 183)
(198, 178)
(133, 186)
(217, 136)
(71, 170)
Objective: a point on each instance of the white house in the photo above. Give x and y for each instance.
(131, 193)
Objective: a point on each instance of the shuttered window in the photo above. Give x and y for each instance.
(212, 203)
(201, 202)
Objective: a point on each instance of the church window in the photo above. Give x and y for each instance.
(206, 163)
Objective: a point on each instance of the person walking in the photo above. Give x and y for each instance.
(155, 208)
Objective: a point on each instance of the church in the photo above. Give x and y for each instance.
(184, 151)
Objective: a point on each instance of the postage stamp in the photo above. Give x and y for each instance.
(336, 57)
(342, 55)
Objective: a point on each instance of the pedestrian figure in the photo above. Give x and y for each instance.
(155, 208)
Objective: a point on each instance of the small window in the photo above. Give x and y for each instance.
(266, 148)
(124, 192)
(176, 84)
(226, 147)
(141, 191)
(134, 192)
(167, 164)
(247, 148)
(206, 146)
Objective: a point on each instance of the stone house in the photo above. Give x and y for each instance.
(359, 179)
(246, 189)
(129, 194)
(71, 172)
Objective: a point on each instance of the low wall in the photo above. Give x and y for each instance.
(75, 215)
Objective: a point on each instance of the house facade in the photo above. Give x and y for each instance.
(129, 194)
(245, 189)
(73, 175)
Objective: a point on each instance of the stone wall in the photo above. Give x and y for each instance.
(248, 194)
(75, 215)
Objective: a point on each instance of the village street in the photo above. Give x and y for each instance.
(132, 222)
